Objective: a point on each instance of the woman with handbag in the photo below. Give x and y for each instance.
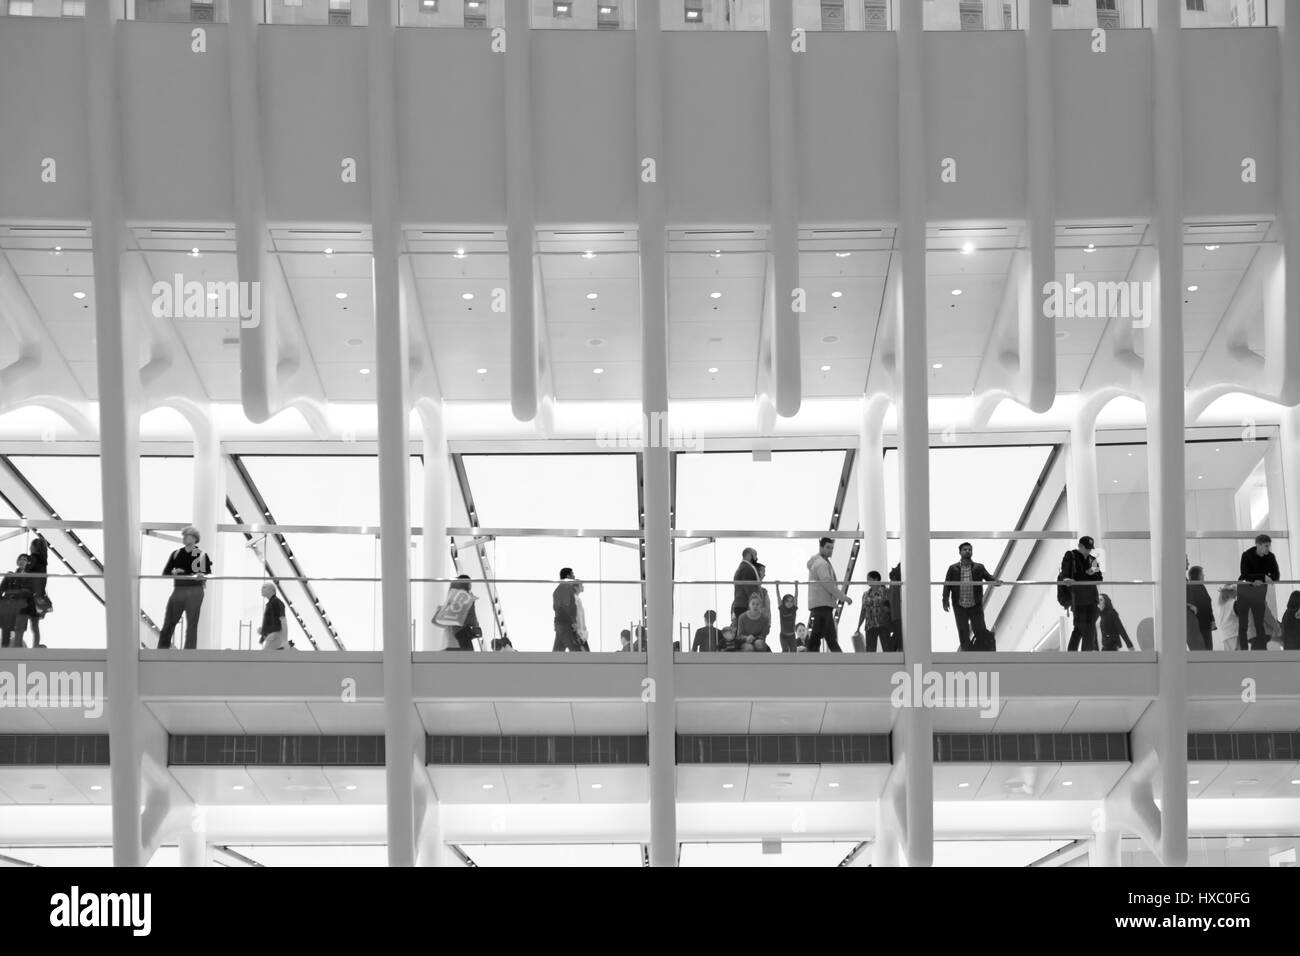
(38, 563)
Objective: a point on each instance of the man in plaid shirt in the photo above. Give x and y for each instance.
(963, 583)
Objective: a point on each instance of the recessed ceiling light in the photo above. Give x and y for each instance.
(597, 371)
(713, 371)
(715, 254)
(1076, 290)
(467, 296)
(194, 253)
(1211, 248)
(1090, 247)
(597, 786)
(595, 343)
(481, 371)
(956, 291)
(459, 254)
(967, 248)
(728, 786)
(238, 786)
(96, 787)
(57, 250)
(340, 296)
(830, 339)
(1067, 783)
(715, 295)
(937, 365)
(78, 295)
(214, 295)
(1200, 477)
(1193, 782)
(842, 255)
(354, 342)
(1193, 288)
(488, 786)
(833, 785)
(591, 296)
(1130, 454)
(365, 371)
(329, 251)
(1114, 481)
(1248, 782)
(1296, 782)
(826, 368)
(837, 295)
(962, 786)
(589, 254)
(351, 786)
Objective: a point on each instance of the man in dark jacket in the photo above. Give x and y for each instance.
(746, 571)
(1080, 574)
(966, 597)
(189, 567)
(1258, 567)
(1198, 601)
(895, 641)
(564, 602)
(15, 605)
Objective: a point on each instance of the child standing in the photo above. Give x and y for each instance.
(788, 609)
(875, 617)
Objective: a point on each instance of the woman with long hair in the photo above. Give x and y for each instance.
(1291, 623)
(1111, 627)
(38, 563)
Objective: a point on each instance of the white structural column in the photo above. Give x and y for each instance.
(193, 847)
(119, 430)
(437, 511)
(1037, 372)
(208, 484)
(1165, 431)
(653, 236)
(783, 162)
(520, 226)
(1290, 449)
(874, 555)
(1287, 340)
(915, 723)
(391, 362)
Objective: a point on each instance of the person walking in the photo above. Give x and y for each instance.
(1258, 567)
(273, 636)
(1112, 628)
(189, 566)
(965, 594)
(564, 602)
(824, 592)
(1078, 593)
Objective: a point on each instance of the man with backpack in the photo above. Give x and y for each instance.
(1080, 599)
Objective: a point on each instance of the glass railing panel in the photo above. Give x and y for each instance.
(715, 15)
(583, 14)
(178, 11)
(461, 14)
(1090, 14)
(42, 8)
(1230, 13)
(335, 13)
(972, 15)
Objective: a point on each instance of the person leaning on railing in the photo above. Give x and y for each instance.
(188, 566)
(1258, 568)
(1080, 599)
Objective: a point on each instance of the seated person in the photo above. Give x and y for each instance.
(753, 626)
(801, 638)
